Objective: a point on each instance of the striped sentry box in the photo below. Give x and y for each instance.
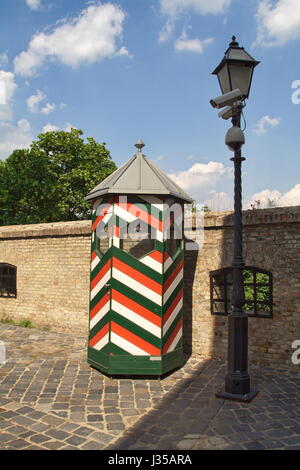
(136, 287)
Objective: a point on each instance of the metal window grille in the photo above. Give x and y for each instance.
(8, 280)
(258, 288)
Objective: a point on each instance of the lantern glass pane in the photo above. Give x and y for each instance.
(241, 77)
(136, 239)
(103, 239)
(224, 79)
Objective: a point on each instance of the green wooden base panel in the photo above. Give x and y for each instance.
(135, 365)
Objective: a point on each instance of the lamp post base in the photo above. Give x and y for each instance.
(246, 398)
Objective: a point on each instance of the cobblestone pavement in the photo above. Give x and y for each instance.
(51, 399)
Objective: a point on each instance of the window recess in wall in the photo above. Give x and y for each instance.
(8, 280)
(258, 287)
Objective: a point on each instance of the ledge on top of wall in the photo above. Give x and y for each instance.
(53, 229)
(274, 215)
(211, 220)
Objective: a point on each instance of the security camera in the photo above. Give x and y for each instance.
(229, 111)
(226, 113)
(227, 100)
(235, 138)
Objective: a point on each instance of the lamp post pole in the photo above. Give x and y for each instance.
(235, 73)
(237, 381)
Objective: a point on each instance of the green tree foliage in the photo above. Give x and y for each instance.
(48, 182)
(262, 290)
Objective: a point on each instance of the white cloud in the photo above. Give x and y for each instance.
(14, 137)
(34, 101)
(48, 108)
(200, 178)
(8, 87)
(167, 30)
(290, 198)
(51, 127)
(33, 104)
(34, 4)
(264, 124)
(219, 201)
(191, 45)
(175, 8)
(277, 23)
(3, 59)
(88, 38)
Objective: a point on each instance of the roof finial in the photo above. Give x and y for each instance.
(234, 42)
(139, 145)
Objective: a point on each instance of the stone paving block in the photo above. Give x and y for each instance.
(94, 418)
(32, 447)
(52, 420)
(68, 427)
(115, 426)
(61, 414)
(130, 412)
(40, 438)
(5, 437)
(255, 445)
(58, 434)
(291, 441)
(114, 419)
(76, 440)
(53, 445)
(44, 407)
(27, 434)
(5, 423)
(186, 444)
(83, 431)
(8, 414)
(23, 420)
(92, 445)
(101, 437)
(37, 415)
(69, 447)
(14, 406)
(278, 433)
(271, 444)
(19, 444)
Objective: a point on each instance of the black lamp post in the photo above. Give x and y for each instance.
(235, 72)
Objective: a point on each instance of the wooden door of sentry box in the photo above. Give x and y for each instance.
(136, 297)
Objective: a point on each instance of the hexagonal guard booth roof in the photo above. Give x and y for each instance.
(139, 176)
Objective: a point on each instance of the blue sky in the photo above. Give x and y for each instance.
(134, 69)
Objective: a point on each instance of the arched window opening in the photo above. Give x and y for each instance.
(8, 280)
(258, 288)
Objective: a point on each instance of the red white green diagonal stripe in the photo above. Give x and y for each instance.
(101, 308)
(131, 342)
(136, 313)
(137, 281)
(100, 279)
(101, 339)
(172, 311)
(174, 338)
(172, 281)
(154, 261)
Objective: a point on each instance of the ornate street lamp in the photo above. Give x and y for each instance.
(236, 69)
(235, 76)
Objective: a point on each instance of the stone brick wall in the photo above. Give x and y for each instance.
(271, 242)
(53, 279)
(52, 274)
